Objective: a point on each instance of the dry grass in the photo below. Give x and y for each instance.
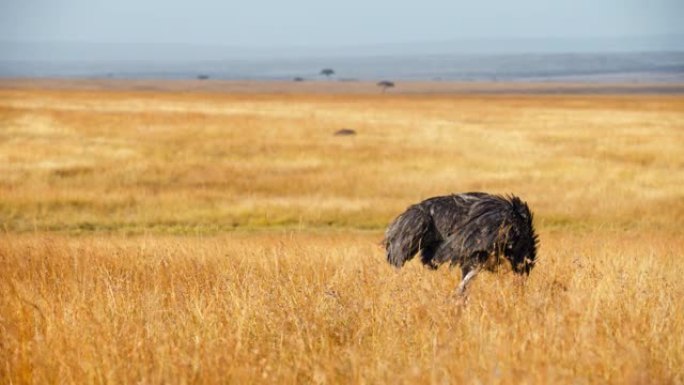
(274, 274)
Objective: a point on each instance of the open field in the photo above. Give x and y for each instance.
(315, 87)
(207, 237)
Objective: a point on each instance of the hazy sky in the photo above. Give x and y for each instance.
(319, 22)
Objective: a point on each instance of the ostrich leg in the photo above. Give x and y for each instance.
(468, 274)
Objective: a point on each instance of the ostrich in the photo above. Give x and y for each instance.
(474, 230)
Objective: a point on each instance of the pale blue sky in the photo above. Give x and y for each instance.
(260, 23)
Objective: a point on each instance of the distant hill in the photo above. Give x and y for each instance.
(659, 58)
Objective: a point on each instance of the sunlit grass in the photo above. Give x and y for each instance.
(293, 308)
(141, 161)
(208, 238)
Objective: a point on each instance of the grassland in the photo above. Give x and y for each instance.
(176, 237)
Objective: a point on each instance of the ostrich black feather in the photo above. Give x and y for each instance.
(472, 230)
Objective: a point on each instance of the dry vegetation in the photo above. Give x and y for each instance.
(157, 237)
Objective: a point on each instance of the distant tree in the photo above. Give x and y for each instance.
(327, 72)
(202, 77)
(299, 79)
(385, 84)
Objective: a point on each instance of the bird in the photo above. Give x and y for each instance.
(474, 230)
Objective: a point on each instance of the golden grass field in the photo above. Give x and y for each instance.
(174, 237)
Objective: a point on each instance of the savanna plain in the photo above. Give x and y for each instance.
(169, 237)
